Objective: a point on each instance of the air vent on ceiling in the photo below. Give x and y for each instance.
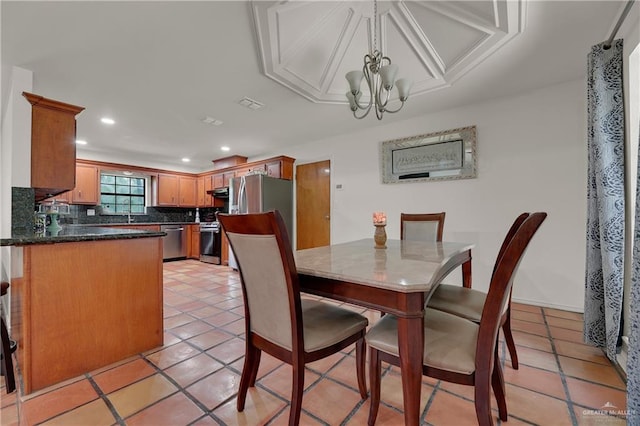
(250, 103)
(212, 121)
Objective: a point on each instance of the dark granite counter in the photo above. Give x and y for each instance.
(75, 234)
(84, 225)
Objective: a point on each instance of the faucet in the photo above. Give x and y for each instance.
(129, 218)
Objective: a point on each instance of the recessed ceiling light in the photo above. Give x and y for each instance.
(186, 160)
(225, 148)
(81, 142)
(107, 120)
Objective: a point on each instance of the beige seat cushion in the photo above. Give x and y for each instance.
(449, 341)
(457, 300)
(326, 324)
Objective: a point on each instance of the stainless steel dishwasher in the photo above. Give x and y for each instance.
(174, 243)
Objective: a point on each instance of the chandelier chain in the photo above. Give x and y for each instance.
(375, 25)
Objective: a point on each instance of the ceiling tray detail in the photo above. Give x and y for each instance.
(308, 46)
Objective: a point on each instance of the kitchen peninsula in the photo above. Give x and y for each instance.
(82, 299)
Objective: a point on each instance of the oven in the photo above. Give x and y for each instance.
(210, 242)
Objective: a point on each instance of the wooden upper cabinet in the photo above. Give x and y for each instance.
(187, 191)
(205, 183)
(86, 190)
(218, 180)
(200, 191)
(167, 190)
(274, 169)
(208, 186)
(243, 171)
(53, 145)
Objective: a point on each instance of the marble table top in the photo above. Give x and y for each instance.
(405, 266)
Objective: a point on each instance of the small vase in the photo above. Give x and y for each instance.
(380, 236)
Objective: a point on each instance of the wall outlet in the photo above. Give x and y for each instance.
(91, 212)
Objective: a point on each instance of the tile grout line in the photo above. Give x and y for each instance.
(563, 379)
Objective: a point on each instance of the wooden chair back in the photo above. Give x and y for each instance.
(422, 226)
(498, 297)
(268, 276)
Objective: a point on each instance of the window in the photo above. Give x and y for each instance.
(122, 194)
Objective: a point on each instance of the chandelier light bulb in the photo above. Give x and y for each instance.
(404, 87)
(388, 74)
(355, 80)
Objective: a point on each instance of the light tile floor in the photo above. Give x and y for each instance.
(193, 378)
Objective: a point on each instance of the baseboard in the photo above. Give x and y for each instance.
(548, 305)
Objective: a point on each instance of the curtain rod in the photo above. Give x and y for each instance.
(625, 12)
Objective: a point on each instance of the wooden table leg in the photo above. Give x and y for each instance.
(466, 273)
(410, 342)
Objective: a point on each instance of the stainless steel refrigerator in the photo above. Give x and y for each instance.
(260, 193)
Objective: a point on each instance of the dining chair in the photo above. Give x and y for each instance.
(421, 226)
(468, 303)
(277, 320)
(455, 349)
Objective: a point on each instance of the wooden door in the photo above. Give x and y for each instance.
(313, 204)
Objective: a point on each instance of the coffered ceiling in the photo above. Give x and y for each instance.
(160, 69)
(310, 46)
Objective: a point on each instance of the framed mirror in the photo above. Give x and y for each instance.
(446, 155)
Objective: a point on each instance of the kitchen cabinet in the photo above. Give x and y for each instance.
(187, 191)
(204, 184)
(193, 242)
(174, 190)
(274, 169)
(224, 248)
(243, 171)
(200, 191)
(281, 167)
(221, 180)
(86, 189)
(218, 180)
(53, 145)
(80, 306)
(167, 190)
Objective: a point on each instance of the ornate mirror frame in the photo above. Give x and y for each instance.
(445, 155)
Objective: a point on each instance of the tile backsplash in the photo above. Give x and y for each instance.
(23, 207)
(78, 215)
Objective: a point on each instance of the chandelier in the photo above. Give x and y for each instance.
(380, 75)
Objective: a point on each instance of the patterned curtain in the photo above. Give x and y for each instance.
(633, 357)
(605, 198)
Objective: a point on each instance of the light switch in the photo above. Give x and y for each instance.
(91, 212)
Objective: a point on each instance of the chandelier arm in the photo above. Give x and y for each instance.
(379, 114)
(394, 110)
(363, 115)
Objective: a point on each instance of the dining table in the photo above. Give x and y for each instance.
(397, 280)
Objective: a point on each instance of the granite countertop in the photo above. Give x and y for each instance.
(84, 225)
(76, 234)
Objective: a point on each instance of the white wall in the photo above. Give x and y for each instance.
(531, 157)
(15, 158)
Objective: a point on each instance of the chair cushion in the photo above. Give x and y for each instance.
(463, 302)
(325, 324)
(449, 341)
